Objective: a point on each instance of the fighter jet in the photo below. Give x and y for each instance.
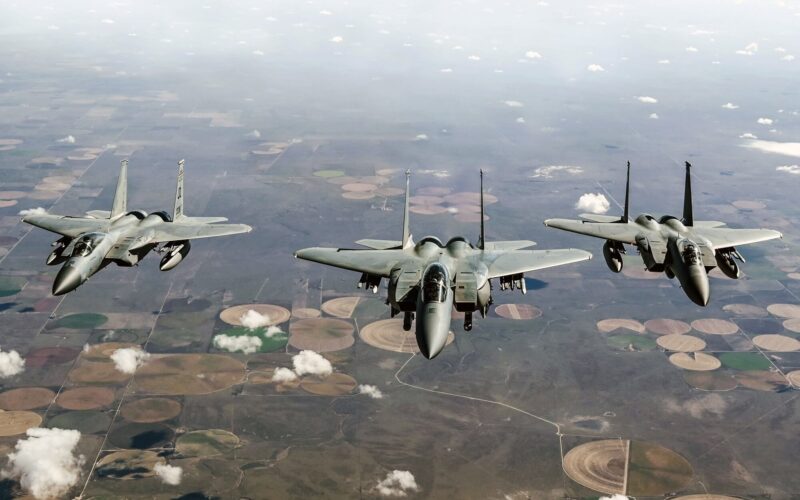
(88, 244)
(684, 248)
(426, 279)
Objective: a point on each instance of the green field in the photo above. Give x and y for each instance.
(745, 361)
(81, 321)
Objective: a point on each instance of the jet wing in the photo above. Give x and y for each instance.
(66, 226)
(380, 244)
(523, 261)
(508, 245)
(375, 262)
(723, 237)
(179, 231)
(618, 231)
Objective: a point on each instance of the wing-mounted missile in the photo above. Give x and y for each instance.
(57, 256)
(612, 251)
(174, 253)
(514, 281)
(726, 261)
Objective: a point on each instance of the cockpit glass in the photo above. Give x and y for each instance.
(86, 245)
(691, 254)
(434, 288)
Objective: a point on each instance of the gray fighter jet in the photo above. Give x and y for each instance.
(428, 278)
(684, 248)
(124, 237)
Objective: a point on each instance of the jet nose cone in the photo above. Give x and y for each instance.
(67, 280)
(700, 291)
(431, 335)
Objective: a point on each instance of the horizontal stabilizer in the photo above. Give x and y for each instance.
(508, 245)
(380, 244)
(99, 214)
(600, 218)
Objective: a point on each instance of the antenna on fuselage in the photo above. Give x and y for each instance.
(688, 216)
(482, 240)
(407, 240)
(120, 205)
(626, 213)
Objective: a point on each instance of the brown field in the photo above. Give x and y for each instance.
(26, 398)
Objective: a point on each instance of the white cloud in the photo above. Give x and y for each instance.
(325, 13)
(336, 39)
(781, 148)
(11, 363)
(730, 105)
(595, 68)
(691, 49)
(533, 55)
(70, 139)
(247, 344)
(514, 104)
(311, 363)
(779, 49)
(107, 21)
(520, 119)
(283, 375)
(749, 50)
(790, 169)
(128, 359)
(697, 407)
(764, 121)
(663, 61)
(255, 134)
(421, 137)
(787, 57)
(548, 171)
(258, 52)
(371, 391)
(397, 483)
(446, 70)
(595, 203)
(44, 462)
(653, 116)
(747, 135)
(253, 319)
(474, 58)
(33, 211)
(647, 99)
(272, 331)
(170, 474)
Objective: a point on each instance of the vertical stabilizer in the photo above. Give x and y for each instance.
(626, 213)
(120, 205)
(688, 216)
(407, 239)
(482, 240)
(177, 212)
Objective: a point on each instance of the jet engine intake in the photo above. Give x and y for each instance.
(175, 253)
(726, 261)
(612, 251)
(57, 255)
